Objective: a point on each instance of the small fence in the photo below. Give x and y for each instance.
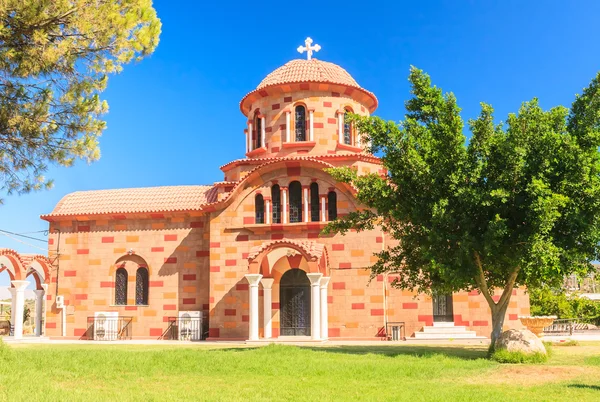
(184, 329)
(395, 331)
(102, 328)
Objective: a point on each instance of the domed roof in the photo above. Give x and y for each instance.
(312, 70)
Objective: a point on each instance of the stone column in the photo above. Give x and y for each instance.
(39, 305)
(250, 135)
(324, 308)
(311, 125)
(287, 126)
(268, 215)
(340, 127)
(19, 305)
(13, 299)
(284, 205)
(45, 308)
(323, 208)
(246, 139)
(315, 305)
(305, 199)
(253, 280)
(267, 301)
(263, 131)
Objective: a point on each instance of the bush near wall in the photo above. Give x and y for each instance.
(546, 301)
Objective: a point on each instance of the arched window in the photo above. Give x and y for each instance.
(141, 286)
(347, 128)
(276, 200)
(295, 202)
(258, 125)
(259, 208)
(314, 202)
(332, 205)
(121, 287)
(300, 118)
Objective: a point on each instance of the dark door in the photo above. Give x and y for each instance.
(294, 300)
(442, 308)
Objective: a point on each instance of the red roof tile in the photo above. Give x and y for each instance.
(313, 70)
(135, 200)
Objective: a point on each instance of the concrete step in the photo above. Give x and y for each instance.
(443, 324)
(441, 330)
(462, 335)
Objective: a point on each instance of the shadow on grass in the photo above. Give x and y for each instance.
(585, 386)
(459, 352)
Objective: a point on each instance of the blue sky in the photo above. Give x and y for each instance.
(174, 118)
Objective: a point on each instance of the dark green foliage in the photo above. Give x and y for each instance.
(519, 204)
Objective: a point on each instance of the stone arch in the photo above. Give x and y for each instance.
(12, 262)
(307, 255)
(134, 258)
(39, 267)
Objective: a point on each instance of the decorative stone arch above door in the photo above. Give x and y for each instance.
(310, 256)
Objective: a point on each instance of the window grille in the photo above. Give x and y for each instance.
(332, 207)
(314, 202)
(259, 208)
(295, 202)
(121, 287)
(347, 130)
(141, 286)
(300, 123)
(276, 200)
(258, 126)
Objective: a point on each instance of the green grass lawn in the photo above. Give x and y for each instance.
(275, 372)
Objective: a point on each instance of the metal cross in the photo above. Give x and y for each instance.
(308, 48)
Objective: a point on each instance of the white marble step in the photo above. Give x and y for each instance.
(442, 330)
(443, 324)
(460, 335)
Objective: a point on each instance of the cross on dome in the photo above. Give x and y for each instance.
(308, 48)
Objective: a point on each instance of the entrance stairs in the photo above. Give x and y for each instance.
(445, 330)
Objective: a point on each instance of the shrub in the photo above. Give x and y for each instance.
(546, 301)
(504, 356)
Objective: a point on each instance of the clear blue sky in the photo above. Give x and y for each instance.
(174, 117)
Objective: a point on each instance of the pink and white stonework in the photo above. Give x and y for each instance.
(225, 248)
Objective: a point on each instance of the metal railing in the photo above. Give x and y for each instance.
(395, 331)
(184, 329)
(109, 328)
(565, 326)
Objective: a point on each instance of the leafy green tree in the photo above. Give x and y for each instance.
(518, 204)
(55, 56)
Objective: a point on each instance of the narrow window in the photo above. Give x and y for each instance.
(332, 207)
(121, 287)
(259, 208)
(300, 123)
(141, 286)
(314, 202)
(295, 202)
(258, 125)
(347, 129)
(276, 201)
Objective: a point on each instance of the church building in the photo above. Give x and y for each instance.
(246, 254)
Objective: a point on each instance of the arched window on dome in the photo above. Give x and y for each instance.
(314, 202)
(141, 286)
(348, 127)
(258, 131)
(259, 208)
(332, 205)
(121, 287)
(300, 122)
(295, 202)
(276, 201)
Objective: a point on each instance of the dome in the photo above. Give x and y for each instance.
(313, 70)
(320, 75)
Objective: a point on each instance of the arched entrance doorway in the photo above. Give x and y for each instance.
(294, 296)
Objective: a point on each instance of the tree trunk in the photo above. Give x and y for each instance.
(498, 315)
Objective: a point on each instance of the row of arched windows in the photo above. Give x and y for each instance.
(141, 286)
(295, 204)
(300, 127)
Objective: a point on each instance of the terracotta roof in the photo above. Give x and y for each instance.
(135, 200)
(313, 70)
(261, 161)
